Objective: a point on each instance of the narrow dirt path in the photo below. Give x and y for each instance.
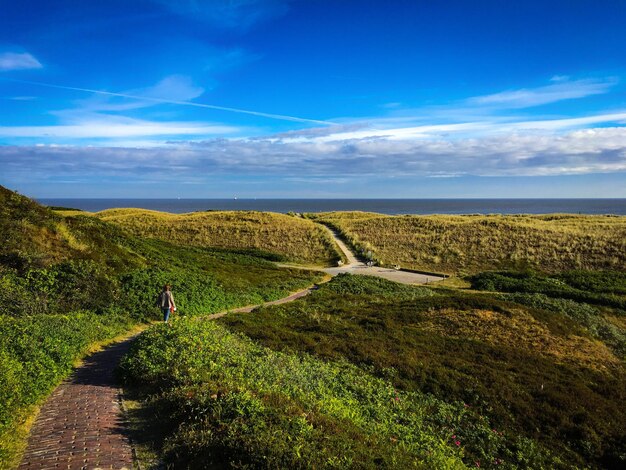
(249, 308)
(350, 256)
(81, 425)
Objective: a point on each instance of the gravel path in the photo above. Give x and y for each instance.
(354, 266)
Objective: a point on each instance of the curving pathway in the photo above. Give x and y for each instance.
(354, 266)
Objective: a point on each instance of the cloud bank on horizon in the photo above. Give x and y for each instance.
(226, 95)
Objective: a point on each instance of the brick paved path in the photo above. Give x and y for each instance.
(81, 426)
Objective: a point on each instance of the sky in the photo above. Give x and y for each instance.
(313, 98)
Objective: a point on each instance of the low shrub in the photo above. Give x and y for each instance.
(588, 316)
(536, 373)
(228, 402)
(600, 288)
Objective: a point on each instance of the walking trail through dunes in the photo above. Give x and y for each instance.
(81, 426)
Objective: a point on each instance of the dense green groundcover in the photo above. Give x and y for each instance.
(606, 288)
(66, 283)
(224, 401)
(529, 362)
(36, 352)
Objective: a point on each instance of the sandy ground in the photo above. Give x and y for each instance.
(354, 266)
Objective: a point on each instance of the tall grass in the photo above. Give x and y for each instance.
(466, 244)
(292, 238)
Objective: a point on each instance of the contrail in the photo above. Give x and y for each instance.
(183, 103)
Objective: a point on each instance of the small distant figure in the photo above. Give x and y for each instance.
(370, 263)
(166, 302)
(396, 267)
(339, 263)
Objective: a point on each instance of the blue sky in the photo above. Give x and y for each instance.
(273, 98)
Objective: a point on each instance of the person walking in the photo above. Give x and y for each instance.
(166, 302)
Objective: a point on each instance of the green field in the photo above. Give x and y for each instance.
(468, 244)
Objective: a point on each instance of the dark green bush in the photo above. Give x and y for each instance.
(604, 287)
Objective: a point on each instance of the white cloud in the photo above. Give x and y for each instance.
(172, 88)
(18, 61)
(561, 89)
(586, 151)
(115, 128)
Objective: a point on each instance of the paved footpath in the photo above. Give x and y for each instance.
(81, 425)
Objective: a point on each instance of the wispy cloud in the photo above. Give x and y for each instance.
(160, 100)
(108, 127)
(561, 89)
(20, 98)
(173, 88)
(18, 61)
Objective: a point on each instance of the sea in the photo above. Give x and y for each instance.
(383, 206)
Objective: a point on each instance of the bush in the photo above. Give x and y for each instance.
(588, 316)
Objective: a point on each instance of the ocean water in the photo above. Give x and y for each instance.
(383, 206)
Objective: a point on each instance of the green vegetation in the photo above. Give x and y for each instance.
(227, 402)
(289, 238)
(523, 370)
(601, 288)
(469, 244)
(68, 282)
(36, 353)
(535, 371)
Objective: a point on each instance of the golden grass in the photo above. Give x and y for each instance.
(293, 238)
(525, 332)
(465, 244)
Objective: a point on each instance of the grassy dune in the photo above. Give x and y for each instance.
(291, 238)
(223, 401)
(467, 244)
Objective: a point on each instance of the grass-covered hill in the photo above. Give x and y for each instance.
(289, 238)
(545, 371)
(467, 244)
(33, 236)
(67, 283)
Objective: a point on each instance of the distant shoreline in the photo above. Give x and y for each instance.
(383, 206)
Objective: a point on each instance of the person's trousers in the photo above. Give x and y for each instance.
(166, 314)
